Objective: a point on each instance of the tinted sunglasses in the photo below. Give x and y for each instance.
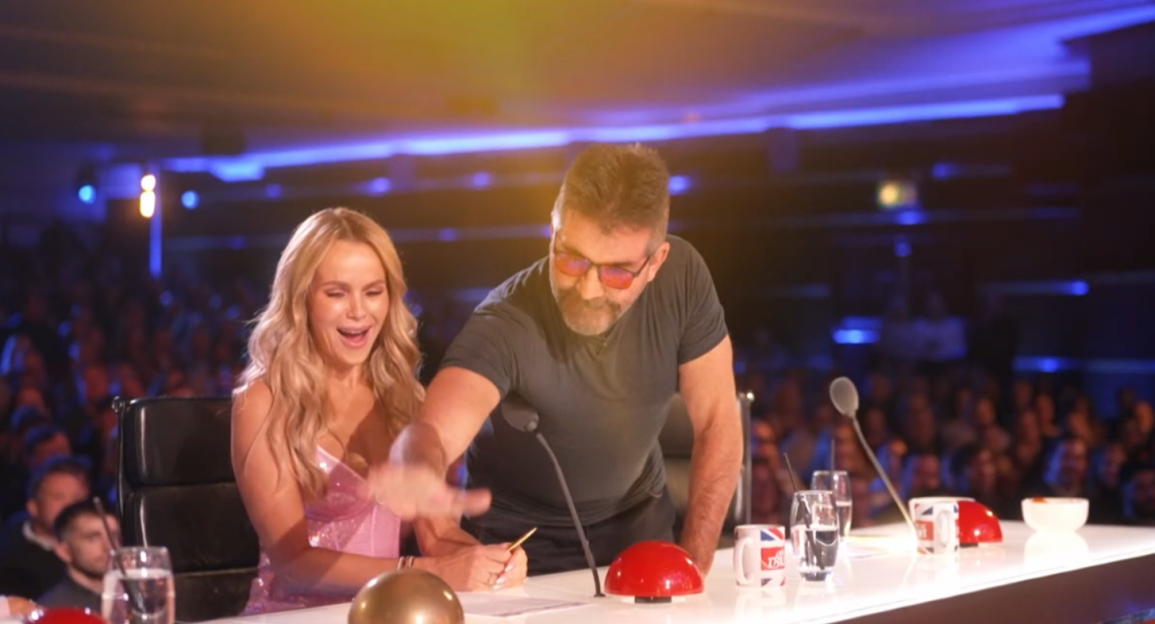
(613, 276)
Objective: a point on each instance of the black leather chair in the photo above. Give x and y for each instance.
(677, 442)
(176, 489)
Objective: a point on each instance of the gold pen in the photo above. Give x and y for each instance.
(521, 540)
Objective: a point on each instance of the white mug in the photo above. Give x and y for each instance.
(936, 522)
(760, 555)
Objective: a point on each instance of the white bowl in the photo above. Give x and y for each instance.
(1055, 514)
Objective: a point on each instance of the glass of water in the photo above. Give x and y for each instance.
(814, 533)
(143, 593)
(838, 483)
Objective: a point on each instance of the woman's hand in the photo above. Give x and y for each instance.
(475, 568)
(515, 571)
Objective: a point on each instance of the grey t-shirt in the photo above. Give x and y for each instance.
(601, 400)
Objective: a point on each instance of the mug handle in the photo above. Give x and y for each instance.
(739, 551)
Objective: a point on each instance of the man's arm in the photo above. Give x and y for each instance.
(707, 385)
(413, 483)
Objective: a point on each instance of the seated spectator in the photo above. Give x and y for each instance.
(28, 561)
(875, 427)
(891, 457)
(766, 507)
(42, 444)
(1045, 409)
(83, 545)
(1067, 471)
(921, 430)
(974, 473)
(922, 476)
(1106, 474)
(1139, 495)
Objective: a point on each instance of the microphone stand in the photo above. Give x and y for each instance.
(881, 473)
(573, 512)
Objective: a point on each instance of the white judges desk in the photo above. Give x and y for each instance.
(1096, 575)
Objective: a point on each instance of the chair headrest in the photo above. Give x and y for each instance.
(176, 441)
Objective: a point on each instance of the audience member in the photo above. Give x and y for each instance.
(82, 543)
(28, 545)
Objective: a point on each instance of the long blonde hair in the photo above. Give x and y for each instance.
(282, 353)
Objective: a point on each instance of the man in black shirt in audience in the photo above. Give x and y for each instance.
(83, 545)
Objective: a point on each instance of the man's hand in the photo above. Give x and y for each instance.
(703, 556)
(19, 607)
(419, 492)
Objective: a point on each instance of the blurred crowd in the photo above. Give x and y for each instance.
(79, 327)
(947, 427)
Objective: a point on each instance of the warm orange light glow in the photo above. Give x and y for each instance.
(147, 203)
(148, 183)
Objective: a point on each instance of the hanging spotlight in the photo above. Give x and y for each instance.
(86, 184)
(148, 196)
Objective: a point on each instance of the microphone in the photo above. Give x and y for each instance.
(845, 398)
(524, 418)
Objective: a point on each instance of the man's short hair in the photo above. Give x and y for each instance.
(962, 459)
(1132, 469)
(25, 417)
(71, 513)
(619, 186)
(57, 465)
(39, 435)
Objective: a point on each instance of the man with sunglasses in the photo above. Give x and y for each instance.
(596, 338)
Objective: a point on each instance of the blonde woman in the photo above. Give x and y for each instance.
(330, 383)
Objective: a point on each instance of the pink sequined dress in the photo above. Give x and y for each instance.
(344, 520)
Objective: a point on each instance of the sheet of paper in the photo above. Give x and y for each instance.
(497, 605)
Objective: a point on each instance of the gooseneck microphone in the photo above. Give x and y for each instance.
(526, 419)
(844, 395)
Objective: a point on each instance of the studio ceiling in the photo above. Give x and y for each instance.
(155, 76)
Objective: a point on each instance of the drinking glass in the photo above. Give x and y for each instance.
(838, 483)
(814, 533)
(138, 589)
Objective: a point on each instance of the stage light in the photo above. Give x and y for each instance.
(147, 204)
(679, 185)
(190, 200)
(897, 194)
(86, 184)
(148, 183)
(380, 186)
(901, 248)
(481, 179)
(910, 217)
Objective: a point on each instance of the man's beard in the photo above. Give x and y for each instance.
(586, 317)
(93, 572)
